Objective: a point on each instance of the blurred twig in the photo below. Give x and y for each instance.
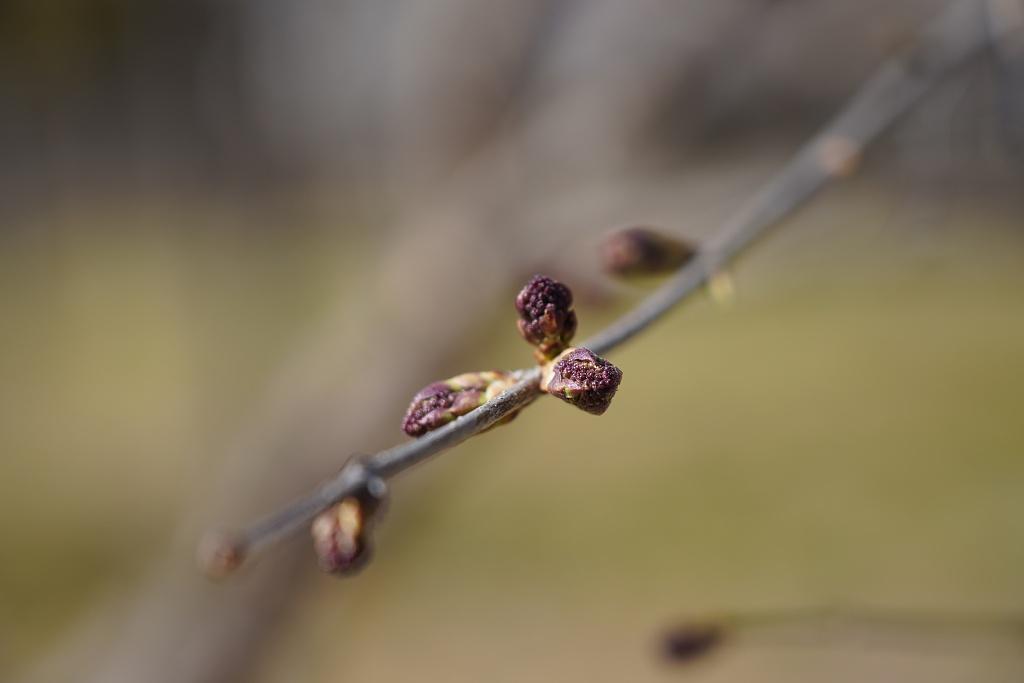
(954, 36)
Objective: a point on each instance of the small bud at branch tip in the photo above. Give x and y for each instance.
(220, 553)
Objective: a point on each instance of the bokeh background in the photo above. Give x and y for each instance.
(235, 238)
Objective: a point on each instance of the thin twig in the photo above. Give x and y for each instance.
(957, 34)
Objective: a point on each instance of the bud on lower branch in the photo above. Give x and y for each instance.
(582, 378)
(439, 403)
(546, 318)
(341, 534)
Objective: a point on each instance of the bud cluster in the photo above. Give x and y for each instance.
(341, 534)
(548, 322)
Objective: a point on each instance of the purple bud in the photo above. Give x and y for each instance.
(546, 318)
(644, 251)
(439, 403)
(582, 378)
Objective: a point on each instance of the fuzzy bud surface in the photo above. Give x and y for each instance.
(582, 378)
(546, 318)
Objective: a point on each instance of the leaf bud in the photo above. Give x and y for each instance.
(439, 403)
(341, 534)
(582, 378)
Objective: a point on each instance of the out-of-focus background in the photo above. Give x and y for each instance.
(235, 238)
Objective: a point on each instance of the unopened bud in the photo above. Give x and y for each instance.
(439, 403)
(689, 642)
(546, 318)
(341, 534)
(644, 251)
(338, 538)
(221, 553)
(582, 378)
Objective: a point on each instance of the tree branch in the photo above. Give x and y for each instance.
(957, 34)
